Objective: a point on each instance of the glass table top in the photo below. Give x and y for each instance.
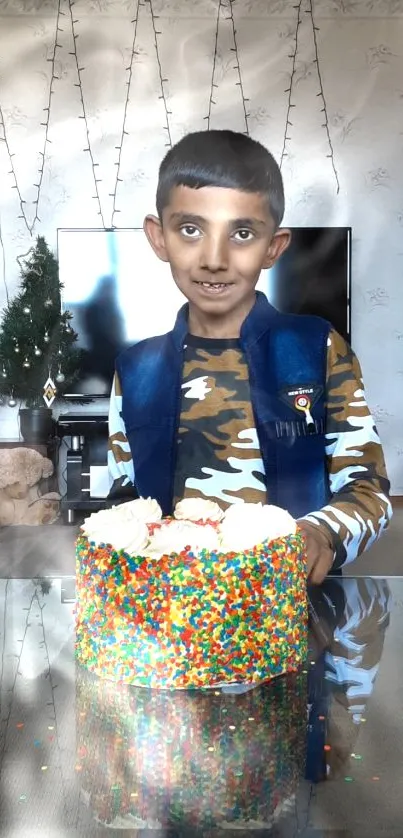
(313, 755)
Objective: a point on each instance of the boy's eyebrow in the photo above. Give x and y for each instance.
(187, 217)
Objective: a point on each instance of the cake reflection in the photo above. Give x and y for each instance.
(204, 759)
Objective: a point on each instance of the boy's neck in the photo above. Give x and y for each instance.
(226, 327)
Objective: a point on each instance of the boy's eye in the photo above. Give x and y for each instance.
(190, 231)
(243, 235)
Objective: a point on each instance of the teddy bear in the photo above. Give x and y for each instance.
(21, 470)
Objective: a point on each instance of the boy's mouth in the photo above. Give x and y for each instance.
(214, 287)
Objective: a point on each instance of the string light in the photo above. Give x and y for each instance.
(290, 89)
(237, 66)
(321, 94)
(162, 79)
(12, 171)
(124, 132)
(3, 258)
(213, 85)
(45, 124)
(79, 70)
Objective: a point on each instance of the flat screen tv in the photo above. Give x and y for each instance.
(119, 292)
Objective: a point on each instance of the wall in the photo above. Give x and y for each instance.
(92, 93)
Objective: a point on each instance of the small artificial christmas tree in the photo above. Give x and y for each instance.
(38, 357)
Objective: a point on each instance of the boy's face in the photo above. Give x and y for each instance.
(216, 241)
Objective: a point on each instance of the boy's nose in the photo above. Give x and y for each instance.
(214, 255)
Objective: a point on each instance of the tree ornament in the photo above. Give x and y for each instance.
(60, 376)
(46, 337)
(49, 391)
(37, 351)
(16, 348)
(27, 310)
(26, 364)
(48, 302)
(3, 372)
(12, 402)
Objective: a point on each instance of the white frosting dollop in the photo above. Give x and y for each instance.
(147, 510)
(104, 526)
(198, 509)
(130, 536)
(247, 524)
(175, 536)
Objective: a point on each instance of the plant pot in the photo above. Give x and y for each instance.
(36, 424)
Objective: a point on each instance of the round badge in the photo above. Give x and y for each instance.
(302, 403)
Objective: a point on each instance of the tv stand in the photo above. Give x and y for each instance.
(88, 447)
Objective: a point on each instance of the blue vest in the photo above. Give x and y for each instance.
(285, 354)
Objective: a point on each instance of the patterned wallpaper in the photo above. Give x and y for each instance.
(93, 92)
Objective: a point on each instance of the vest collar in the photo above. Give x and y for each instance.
(258, 321)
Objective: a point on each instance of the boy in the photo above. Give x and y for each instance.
(240, 402)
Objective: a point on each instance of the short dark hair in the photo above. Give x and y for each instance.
(222, 158)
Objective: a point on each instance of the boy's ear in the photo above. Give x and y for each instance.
(153, 229)
(277, 246)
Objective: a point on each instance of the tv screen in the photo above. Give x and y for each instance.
(119, 292)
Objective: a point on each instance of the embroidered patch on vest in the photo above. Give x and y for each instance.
(302, 397)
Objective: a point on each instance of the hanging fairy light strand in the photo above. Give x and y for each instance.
(237, 65)
(83, 115)
(163, 81)
(12, 171)
(213, 85)
(53, 728)
(45, 124)
(290, 89)
(20, 650)
(124, 133)
(321, 95)
(3, 259)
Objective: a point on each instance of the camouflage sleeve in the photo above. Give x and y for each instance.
(359, 509)
(120, 461)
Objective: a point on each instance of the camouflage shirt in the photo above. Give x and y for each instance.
(218, 454)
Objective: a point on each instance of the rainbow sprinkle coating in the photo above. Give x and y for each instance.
(186, 621)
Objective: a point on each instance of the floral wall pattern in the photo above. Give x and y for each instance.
(92, 92)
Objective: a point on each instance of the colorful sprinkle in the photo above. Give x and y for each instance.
(188, 622)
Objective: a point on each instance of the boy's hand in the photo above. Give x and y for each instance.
(319, 552)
